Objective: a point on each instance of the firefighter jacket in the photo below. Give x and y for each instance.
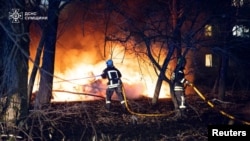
(113, 75)
(178, 78)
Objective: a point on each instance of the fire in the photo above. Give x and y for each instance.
(74, 83)
(80, 59)
(80, 78)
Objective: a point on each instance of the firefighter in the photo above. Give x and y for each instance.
(114, 84)
(179, 82)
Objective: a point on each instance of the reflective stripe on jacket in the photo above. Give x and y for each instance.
(113, 75)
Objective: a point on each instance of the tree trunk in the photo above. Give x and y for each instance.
(158, 87)
(227, 24)
(44, 94)
(14, 73)
(222, 80)
(36, 66)
(162, 75)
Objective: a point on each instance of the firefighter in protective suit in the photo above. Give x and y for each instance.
(179, 82)
(114, 84)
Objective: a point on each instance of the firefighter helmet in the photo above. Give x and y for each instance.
(109, 63)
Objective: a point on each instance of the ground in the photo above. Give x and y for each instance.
(146, 123)
(89, 120)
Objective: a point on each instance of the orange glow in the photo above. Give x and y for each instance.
(79, 77)
(80, 58)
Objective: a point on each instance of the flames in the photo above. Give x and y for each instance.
(83, 81)
(74, 77)
(80, 59)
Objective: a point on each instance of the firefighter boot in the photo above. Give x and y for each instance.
(182, 106)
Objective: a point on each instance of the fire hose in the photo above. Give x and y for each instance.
(141, 114)
(167, 114)
(213, 106)
(199, 94)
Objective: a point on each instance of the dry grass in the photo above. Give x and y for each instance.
(90, 120)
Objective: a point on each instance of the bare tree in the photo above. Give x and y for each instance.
(173, 26)
(44, 94)
(178, 27)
